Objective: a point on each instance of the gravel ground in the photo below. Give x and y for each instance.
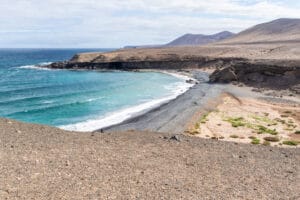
(39, 162)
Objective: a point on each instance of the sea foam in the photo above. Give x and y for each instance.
(124, 114)
(38, 66)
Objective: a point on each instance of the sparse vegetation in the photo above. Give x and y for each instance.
(280, 120)
(255, 141)
(262, 129)
(197, 125)
(290, 142)
(264, 119)
(204, 119)
(271, 139)
(291, 126)
(233, 136)
(236, 122)
(193, 132)
(266, 114)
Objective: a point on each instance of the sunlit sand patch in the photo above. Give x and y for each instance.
(250, 121)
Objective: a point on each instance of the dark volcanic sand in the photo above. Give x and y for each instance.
(174, 115)
(39, 162)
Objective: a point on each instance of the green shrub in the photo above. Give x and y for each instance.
(234, 136)
(236, 122)
(255, 141)
(290, 142)
(263, 129)
(297, 132)
(264, 119)
(204, 119)
(197, 125)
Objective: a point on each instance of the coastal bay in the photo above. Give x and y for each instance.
(230, 129)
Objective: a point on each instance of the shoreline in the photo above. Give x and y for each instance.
(165, 117)
(120, 116)
(161, 115)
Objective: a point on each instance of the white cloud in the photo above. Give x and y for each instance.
(99, 23)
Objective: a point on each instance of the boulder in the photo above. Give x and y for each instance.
(223, 76)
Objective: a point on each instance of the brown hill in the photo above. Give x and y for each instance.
(277, 31)
(199, 39)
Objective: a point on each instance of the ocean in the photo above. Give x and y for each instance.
(77, 100)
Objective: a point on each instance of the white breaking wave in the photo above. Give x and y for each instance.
(124, 114)
(38, 66)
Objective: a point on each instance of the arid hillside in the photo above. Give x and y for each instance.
(277, 40)
(277, 31)
(200, 39)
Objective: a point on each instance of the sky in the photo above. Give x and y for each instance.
(117, 23)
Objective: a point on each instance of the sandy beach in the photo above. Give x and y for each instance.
(224, 112)
(166, 117)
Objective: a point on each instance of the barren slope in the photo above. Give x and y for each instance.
(199, 39)
(39, 162)
(277, 31)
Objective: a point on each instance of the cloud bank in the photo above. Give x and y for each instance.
(115, 23)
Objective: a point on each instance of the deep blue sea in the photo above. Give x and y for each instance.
(76, 100)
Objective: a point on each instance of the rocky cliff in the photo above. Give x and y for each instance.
(266, 55)
(267, 74)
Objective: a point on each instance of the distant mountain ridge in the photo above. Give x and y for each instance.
(200, 39)
(189, 40)
(278, 30)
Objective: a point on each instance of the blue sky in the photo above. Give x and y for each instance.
(116, 23)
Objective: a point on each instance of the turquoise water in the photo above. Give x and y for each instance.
(76, 100)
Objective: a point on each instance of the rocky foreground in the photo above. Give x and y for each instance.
(39, 162)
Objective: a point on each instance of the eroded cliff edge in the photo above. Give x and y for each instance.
(254, 66)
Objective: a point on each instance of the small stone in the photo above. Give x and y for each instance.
(175, 137)
(234, 156)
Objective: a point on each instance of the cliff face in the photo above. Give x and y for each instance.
(266, 55)
(273, 74)
(166, 64)
(263, 75)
